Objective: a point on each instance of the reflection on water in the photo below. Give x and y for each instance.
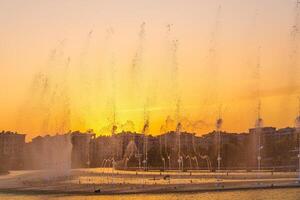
(275, 194)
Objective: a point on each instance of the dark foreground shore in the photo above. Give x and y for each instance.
(155, 189)
(101, 182)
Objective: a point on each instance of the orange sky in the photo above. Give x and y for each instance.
(68, 65)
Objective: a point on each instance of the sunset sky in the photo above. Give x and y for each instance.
(69, 65)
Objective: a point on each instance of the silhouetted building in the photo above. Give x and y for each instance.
(232, 149)
(100, 151)
(81, 149)
(259, 139)
(278, 150)
(11, 150)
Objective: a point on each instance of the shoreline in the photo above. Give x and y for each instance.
(105, 182)
(153, 190)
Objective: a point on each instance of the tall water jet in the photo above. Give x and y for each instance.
(84, 78)
(35, 101)
(178, 135)
(219, 123)
(297, 126)
(258, 132)
(137, 62)
(64, 121)
(294, 49)
(114, 144)
(113, 114)
(292, 65)
(213, 58)
(145, 138)
(174, 68)
(162, 154)
(214, 41)
(137, 95)
(172, 50)
(57, 93)
(169, 126)
(259, 120)
(59, 104)
(48, 99)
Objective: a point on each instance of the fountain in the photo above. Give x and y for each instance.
(258, 129)
(145, 144)
(48, 96)
(52, 154)
(137, 62)
(126, 161)
(113, 110)
(259, 120)
(103, 163)
(297, 125)
(114, 144)
(196, 160)
(208, 163)
(160, 148)
(84, 78)
(130, 151)
(218, 127)
(190, 161)
(178, 135)
(168, 122)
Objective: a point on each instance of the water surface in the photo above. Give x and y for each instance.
(273, 194)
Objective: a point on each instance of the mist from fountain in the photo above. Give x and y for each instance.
(53, 155)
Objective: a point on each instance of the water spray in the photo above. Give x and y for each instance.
(145, 137)
(219, 123)
(297, 125)
(113, 109)
(166, 142)
(258, 130)
(160, 148)
(294, 51)
(84, 78)
(174, 68)
(259, 120)
(137, 62)
(178, 135)
(115, 150)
